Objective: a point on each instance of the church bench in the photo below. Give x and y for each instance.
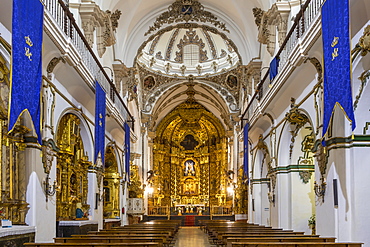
(167, 238)
(132, 232)
(292, 244)
(226, 237)
(305, 238)
(136, 244)
(220, 234)
(110, 239)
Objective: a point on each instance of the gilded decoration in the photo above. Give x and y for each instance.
(190, 159)
(363, 45)
(364, 79)
(185, 11)
(13, 182)
(111, 185)
(135, 187)
(297, 120)
(241, 193)
(72, 168)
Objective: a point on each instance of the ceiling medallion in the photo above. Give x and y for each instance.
(185, 11)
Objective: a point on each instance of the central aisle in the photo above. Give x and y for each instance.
(190, 236)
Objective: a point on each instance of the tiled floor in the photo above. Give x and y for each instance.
(190, 236)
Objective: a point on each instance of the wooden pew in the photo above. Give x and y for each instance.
(304, 238)
(136, 244)
(127, 239)
(292, 244)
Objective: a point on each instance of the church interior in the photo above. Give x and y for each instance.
(185, 111)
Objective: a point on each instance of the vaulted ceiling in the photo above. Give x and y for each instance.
(138, 15)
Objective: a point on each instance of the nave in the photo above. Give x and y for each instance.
(172, 233)
(195, 109)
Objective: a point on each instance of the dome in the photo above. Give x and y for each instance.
(188, 49)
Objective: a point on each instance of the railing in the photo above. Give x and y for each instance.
(301, 23)
(164, 211)
(221, 210)
(66, 21)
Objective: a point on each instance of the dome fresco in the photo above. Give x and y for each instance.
(184, 50)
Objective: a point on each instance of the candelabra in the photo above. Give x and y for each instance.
(48, 188)
(320, 189)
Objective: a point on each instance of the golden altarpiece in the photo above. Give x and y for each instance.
(111, 185)
(13, 179)
(72, 169)
(190, 161)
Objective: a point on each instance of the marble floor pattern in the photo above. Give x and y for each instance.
(189, 236)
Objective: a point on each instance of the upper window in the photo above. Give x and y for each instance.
(191, 55)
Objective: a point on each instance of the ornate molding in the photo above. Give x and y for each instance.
(305, 176)
(363, 45)
(276, 18)
(230, 44)
(322, 156)
(316, 63)
(49, 150)
(185, 11)
(120, 71)
(53, 63)
(191, 38)
(104, 22)
(297, 119)
(363, 78)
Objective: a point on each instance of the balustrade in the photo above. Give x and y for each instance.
(300, 27)
(64, 18)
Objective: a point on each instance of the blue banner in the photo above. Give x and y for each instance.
(127, 151)
(99, 122)
(274, 65)
(337, 60)
(26, 79)
(246, 151)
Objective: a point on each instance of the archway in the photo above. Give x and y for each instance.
(72, 166)
(190, 162)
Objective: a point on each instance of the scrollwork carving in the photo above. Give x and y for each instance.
(185, 11)
(53, 63)
(363, 46)
(297, 120)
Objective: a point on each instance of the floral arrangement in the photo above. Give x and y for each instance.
(312, 220)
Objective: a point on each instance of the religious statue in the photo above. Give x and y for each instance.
(189, 168)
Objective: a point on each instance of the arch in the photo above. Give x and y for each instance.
(72, 166)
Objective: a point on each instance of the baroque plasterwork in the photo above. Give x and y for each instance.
(191, 38)
(103, 22)
(297, 120)
(276, 18)
(185, 11)
(218, 82)
(363, 45)
(230, 44)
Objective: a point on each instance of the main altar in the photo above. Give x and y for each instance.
(190, 171)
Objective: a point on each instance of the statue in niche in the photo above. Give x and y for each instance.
(189, 168)
(189, 143)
